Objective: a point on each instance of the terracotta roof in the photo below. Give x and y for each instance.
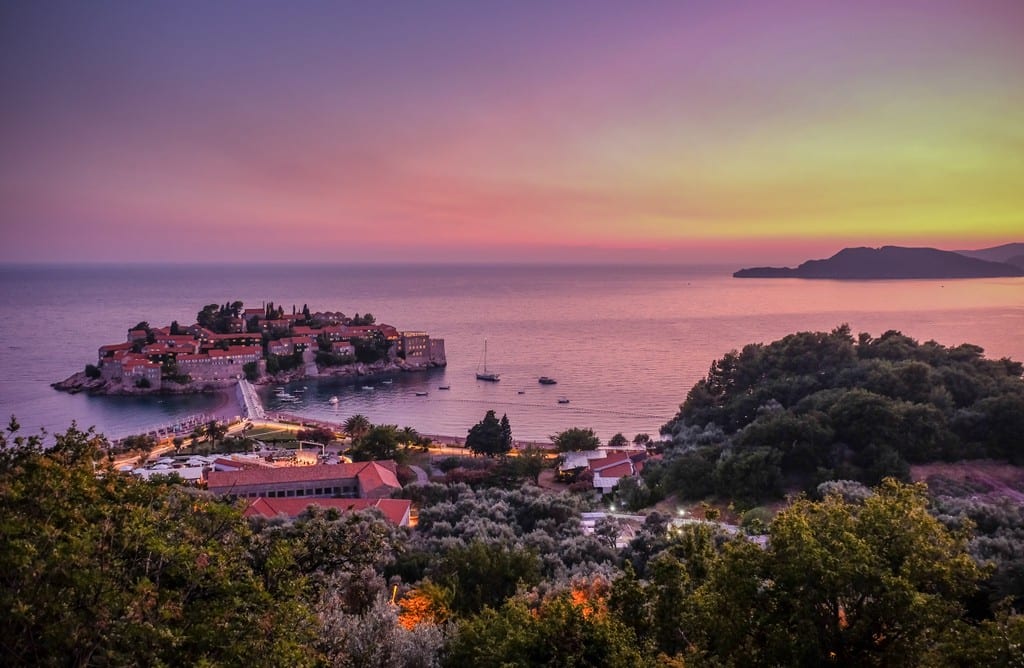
(376, 477)
(372, 476)
(132, 362)
(611, 459)
(111, 347)
(396, 510)
(615, 470)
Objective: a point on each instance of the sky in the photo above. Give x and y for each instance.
(679, 131)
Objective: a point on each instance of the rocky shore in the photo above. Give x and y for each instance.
(358, 371)
(80, 382)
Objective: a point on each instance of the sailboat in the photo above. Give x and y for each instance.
(493, 377)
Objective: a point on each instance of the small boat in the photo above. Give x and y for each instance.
(366, 387)
(544, 380)
(521, 392)
(445, 387)
(421, 394)
(332, 400)
(563, 400)
(486, 375)
(386, 381)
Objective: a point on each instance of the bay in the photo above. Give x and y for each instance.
(624, 342)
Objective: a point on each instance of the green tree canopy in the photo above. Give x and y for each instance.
(576, 438)
(357, 425)
(844, 583)
(490, 436)
(380, 442)
(98, 568)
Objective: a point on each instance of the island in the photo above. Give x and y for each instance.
(890, 262)
(265, 344)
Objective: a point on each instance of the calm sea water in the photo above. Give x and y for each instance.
(624, 343)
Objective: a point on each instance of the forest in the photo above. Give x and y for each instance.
(819, 406)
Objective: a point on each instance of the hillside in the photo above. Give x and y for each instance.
(818, 406)
(1008, 253)
(889, 262)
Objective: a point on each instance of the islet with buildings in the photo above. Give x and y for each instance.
(265, 344)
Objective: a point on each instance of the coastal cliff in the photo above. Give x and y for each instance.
(889, 262)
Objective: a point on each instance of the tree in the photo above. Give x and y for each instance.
(380, 442)
(576, 438)
(531, 462)
(490, 436)
(561, 632)
(641, 439)
(99, 568)
(871, 583)
(215, 431)
(618, 441)
(481, 574)
(321, 435)
(357, 425)
(92, 371)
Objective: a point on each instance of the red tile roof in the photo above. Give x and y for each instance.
(615, 470)
(375, 478)
(395, 510)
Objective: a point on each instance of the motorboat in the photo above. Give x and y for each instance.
(332, 400)
(445, 387)
(421, 394)
(544, 380)
(563, 400)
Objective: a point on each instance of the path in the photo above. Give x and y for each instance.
(251, 401)
(421, 475)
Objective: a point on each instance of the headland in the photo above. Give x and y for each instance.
(894, 262)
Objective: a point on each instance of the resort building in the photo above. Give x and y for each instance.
(361, 480)
(415, 347)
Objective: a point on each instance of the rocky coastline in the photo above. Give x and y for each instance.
(80, 382)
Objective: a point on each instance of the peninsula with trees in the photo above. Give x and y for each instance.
(897, 262)
(265, 344)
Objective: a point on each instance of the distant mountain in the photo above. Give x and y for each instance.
(891, 262)
(1008, 253)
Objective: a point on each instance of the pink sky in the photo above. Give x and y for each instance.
(667, 132)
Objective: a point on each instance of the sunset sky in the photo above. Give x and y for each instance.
(688, 131)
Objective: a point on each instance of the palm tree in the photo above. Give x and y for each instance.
(409, 436)
(357, 426)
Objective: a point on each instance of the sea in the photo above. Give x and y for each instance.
(625, 343)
